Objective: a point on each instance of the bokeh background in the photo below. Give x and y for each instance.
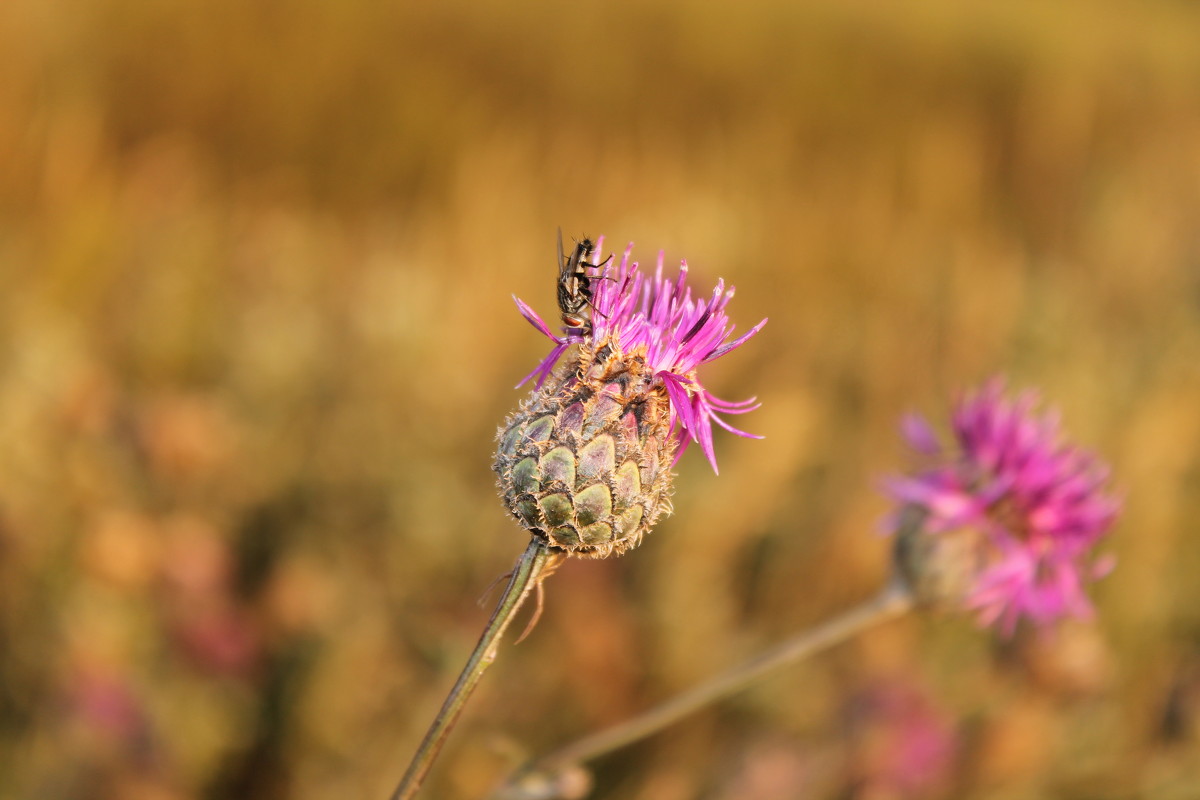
(257, 337)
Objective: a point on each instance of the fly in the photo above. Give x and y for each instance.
(575, 285)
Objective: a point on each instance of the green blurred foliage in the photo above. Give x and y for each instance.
(257, 338)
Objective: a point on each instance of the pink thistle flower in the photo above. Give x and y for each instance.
(1032, 506)
(658, 319)
(904, 745)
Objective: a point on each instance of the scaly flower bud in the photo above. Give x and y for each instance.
(586, 462)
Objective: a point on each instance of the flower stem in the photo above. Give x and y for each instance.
(526, 575)
(891, 602)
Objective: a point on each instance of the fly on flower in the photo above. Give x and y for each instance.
(1005, 522)
(574, 286)
(586, 462)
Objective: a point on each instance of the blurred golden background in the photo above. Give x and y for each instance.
(258, 336)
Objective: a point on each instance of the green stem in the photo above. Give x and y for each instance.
(526, 575)
(891, 602)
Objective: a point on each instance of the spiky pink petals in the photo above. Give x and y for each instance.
(1035, 506)
(658, 320)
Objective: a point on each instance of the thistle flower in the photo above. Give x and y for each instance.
(1004, 522)
(903, 744)
(585, 464)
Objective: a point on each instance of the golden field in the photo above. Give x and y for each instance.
(257, 337)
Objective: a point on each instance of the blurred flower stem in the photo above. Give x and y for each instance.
(534, 779)
(534, 564)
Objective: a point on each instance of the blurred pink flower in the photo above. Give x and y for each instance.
(1037, 505)
(105, 701)
(906, 747)
(222, 640)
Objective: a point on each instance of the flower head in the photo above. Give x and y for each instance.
(1030, 507)
(656, 319)
(585, 462)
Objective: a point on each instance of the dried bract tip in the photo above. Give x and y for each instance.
(1004, 522)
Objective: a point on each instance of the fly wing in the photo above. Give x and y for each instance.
(562, 261)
